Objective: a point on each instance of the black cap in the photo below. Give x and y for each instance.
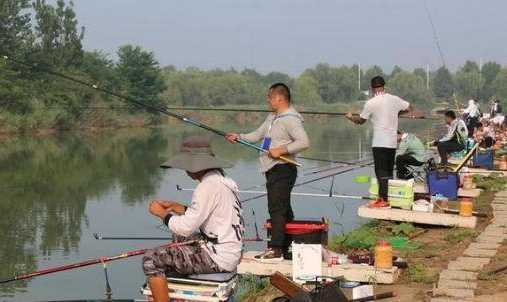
(377, 82)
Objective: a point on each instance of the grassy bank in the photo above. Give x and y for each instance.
(427, 252)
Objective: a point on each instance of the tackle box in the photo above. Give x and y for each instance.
(400, 192)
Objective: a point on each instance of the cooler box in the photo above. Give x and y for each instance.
(484, 159)
(303, 231)
(443, 183)
(400, 192)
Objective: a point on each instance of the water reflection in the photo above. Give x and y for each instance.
(46, 183)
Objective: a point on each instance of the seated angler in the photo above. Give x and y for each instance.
(410, 152)
(483, 136)
(454, 140)
(215, 211)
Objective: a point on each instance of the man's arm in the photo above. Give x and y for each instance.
(252, 137)
(356, 119)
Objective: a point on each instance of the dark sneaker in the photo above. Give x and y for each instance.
(270, 256)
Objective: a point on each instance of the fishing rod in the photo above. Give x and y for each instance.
(98, 236)
(90, 262)
(148, 107)
(336, 167)
(293, 194)
(269, 111)
(313, 180)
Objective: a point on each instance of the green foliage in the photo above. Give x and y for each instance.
(493, 182)
(442, 83)
(410, 87)
(249, 285)
(366, 236)
(406, 229)
(140, 75)
(418, 273)
(458, 235)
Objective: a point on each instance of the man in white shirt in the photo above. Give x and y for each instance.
(472, 114)
(215, 212)
(455, 138)
(383, 111)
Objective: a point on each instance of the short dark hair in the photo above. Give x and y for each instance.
(377, 82)
(282, 89)
(451, 114)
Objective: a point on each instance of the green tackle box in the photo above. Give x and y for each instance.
(401, 192)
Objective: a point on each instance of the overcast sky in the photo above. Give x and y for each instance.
(291, 35)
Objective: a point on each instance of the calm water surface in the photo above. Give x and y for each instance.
(57, 191)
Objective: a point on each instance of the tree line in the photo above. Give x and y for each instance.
(50, 36)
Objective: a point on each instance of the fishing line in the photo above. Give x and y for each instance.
(147, 107)
(435, 35)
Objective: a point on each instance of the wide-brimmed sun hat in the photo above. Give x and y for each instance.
(196, 155)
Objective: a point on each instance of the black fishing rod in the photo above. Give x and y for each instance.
(99, 236)
(266, 110)
(148, 107)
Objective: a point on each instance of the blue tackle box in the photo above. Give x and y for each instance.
(444, 183)
(484, 159)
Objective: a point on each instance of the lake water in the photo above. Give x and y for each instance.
(57, 191)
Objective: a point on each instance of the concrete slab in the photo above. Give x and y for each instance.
(446, 283)
(458, 275)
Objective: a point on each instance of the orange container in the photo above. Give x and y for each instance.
(466, 207)
(503, 163)
(383, 255)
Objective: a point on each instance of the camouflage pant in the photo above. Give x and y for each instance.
(184, 260)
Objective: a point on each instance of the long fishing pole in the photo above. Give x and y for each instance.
(98, 236)
(266, 110)
(148, 107)
(313, 180)
(293, 193)
(90, 262)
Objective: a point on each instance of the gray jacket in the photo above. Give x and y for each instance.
(284, 129)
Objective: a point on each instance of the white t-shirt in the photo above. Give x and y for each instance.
(382, 110)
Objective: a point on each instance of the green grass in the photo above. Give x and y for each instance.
(419, 273)
(458, 235)
(248, 286)
(366, 236)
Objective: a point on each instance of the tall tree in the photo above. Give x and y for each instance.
(140, 74)
(15, 28)
(410, 87)
(442, 84)
(58, 38)
(489, 72)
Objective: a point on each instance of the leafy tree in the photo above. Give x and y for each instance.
(442, 84)
(410, 87)
(58, 39)
(306, 90)
(489, 72)
(420, 72)
(470, 66)
(468, 82)
(500, 84)
(15, 27)
(396, 69)
(140, 75)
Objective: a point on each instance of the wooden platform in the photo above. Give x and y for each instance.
(472, 193)
(351, 272)
(442, 219)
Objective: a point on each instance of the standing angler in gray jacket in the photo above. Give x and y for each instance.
(282, 133)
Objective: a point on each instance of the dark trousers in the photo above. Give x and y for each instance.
(471, 124)
(445, 148)
(279, 183)
(383, 159)
(402, 162)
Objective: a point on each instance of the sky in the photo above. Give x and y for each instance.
(292, 35)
